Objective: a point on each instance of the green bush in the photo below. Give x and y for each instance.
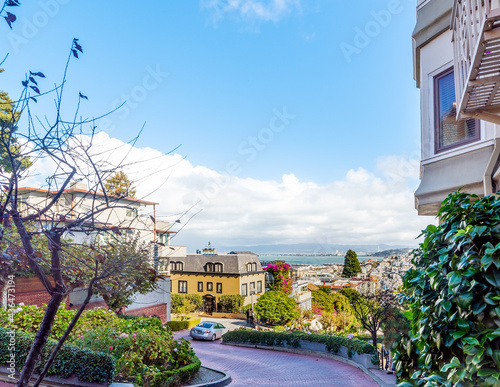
(231, 303)
(88, 365)
(177, 300)
(276, 308)
(179, 325)
(332, 343)
(454, 296)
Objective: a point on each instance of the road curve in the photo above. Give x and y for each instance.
(260, 367)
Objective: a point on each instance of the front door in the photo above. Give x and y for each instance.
(209, 303)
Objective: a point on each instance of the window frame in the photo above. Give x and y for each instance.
(182, 286)
(259, 287)
(210, 286)
(200, 286)
(436, 119)
(244, 292)
(218, 287)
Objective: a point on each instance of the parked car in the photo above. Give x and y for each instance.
(208, 330)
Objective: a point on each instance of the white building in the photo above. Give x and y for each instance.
(457, 69)
(125, 215)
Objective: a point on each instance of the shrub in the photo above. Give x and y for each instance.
(179, 325)
(276, 308)
(281, 274)
(454, 295)
(231, 302)
(177, 300)
(332, 343)
(88, 365)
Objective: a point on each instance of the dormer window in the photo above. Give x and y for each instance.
(251, 267)
(214, 267)
(177, 266)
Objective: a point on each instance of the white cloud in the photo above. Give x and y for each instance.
(362, 208)
(265, 10)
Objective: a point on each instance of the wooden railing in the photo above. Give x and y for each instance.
(476, 44)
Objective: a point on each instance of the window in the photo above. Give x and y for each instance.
(210, 286)
(259, 287)
(177, 266)
(244, 292)
(200, 286)
(449, 132)
(183, 287)
(219, 287)
(131, 212)
(209, 267)
(252, 288)
(218, 267)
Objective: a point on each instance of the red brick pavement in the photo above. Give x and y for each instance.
(260, 367)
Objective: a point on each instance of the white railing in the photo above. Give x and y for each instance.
(475, 53)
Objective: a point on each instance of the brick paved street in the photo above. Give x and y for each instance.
(258, 367)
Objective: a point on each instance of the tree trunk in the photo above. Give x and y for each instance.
(40, 339)
(374, 338)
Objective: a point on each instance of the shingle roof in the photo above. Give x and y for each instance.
(233, 263)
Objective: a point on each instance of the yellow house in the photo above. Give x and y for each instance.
(214, 275)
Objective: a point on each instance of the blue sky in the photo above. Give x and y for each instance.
(257, 89)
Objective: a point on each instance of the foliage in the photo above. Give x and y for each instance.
(331, 302)
(282, 281)
(337, 321)
(454, 295)
(394, 327)
(351, 265)
(351, 294)
(179, 325)
(88, 365)
(128, 258)
(119, 185)
(177, 299)
(10, 149)
(231, 302)
(276, 308)
(373, 311)
(332, 343)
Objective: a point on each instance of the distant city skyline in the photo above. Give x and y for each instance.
(289, 121)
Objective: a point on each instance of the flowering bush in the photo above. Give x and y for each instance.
(281, 274)
(317, 309)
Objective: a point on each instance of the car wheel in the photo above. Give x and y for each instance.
(214, 337)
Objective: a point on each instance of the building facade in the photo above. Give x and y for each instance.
(214, 275)
(128, 215)
(456, 68)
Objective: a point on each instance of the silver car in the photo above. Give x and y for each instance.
(208, 330)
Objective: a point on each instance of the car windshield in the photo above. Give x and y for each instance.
(205, 325)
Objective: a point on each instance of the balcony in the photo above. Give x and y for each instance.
(476, 45)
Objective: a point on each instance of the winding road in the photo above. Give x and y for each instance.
(259, 367)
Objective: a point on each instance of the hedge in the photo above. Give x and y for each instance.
(176, 377)
(87, 365)
(332, 343)
(179, 325)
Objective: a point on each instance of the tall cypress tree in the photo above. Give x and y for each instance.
(351, 265)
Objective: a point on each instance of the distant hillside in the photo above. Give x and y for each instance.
(310, 248)
(391, 252)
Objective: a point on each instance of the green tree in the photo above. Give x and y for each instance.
(129, 260)
(454, 296)
(276, 308)
(373, 311)
(351, 294)
(351, 265)
(331, 302)
(120, 185)
(10, 149)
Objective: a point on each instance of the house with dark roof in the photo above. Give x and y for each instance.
(214, 275)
